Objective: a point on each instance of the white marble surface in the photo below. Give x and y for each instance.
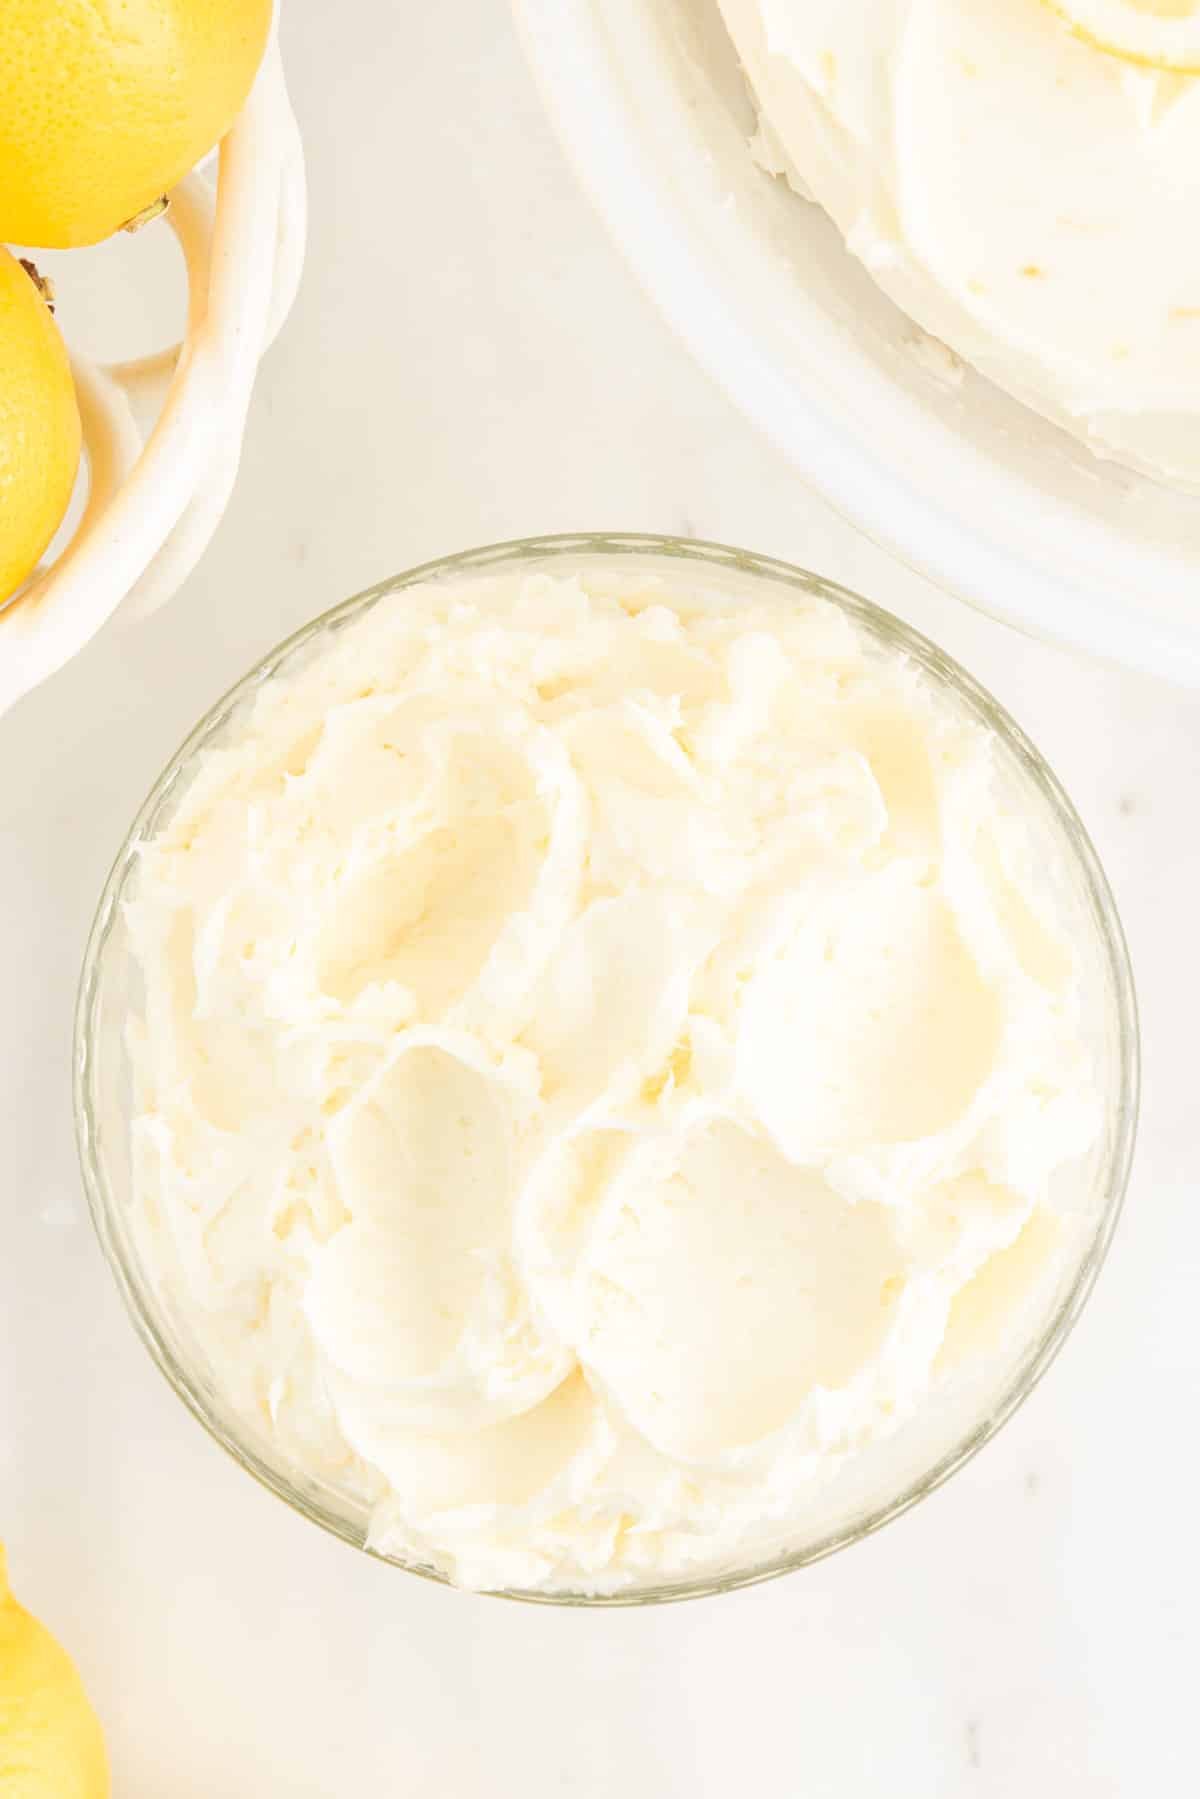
(471, 360)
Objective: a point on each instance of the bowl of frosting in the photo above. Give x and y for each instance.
(606, 1069)
(938, 251)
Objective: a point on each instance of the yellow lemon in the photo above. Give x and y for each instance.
(105, 104)
(39, 425)
(1160, 34)
(51, 1744)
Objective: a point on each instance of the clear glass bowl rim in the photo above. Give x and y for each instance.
(885, 628)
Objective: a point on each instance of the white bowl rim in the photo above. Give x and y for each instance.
(1063, 579)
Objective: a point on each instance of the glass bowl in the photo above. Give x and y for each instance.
(923, 1453)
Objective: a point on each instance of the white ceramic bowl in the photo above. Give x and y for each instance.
(162, 434)
(962, 482)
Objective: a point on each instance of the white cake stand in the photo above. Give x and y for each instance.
(155, 499)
